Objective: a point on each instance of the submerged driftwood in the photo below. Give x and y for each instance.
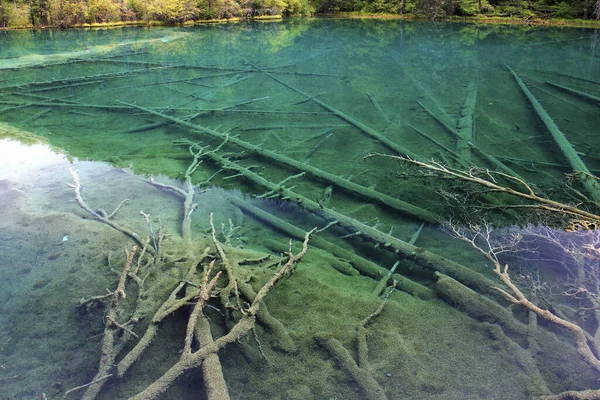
(465, 125)
(493, 160)
(81, 79)
(364, 266)
(419, 255)
(581, 170)
(345, 184)
(195, 286)
(352, 121)
(586, 96)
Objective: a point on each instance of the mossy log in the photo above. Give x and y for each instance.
(212, 371)
(181, 80)
(364, 266)
(78, 79)
(534, 381)
(493, 160)
(534, 164)
(59, 87)
(384, 281)
(583, 173)
(585, 96)
(155, 125)
(478, 306)
(364, 128)
(108, 107)
(312, 74)
(156, 64)
(431, 98)
(590, 394)
(290, 126)
(465, 124)
(377, 106)
(419, 255)
(110, 345)
(237, 78)
(282, 341)
(345, 184)
(191, 358)
(317, 146)
(462, 162)
(569, 76)
(174, 302)
(369, 386)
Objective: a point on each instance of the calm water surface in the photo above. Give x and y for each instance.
(127, 106)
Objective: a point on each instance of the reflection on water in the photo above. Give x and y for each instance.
(19, 162)
(127, 108)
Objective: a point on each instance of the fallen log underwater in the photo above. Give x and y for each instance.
(417, 254)
(345, 184)
(579, 168)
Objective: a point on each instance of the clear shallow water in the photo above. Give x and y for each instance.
(78, 91)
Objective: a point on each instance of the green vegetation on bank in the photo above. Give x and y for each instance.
(67, 13)
(85, 13)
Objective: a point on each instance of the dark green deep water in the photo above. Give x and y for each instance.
(77, 91)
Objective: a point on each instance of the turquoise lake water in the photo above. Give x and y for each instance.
(258, 103)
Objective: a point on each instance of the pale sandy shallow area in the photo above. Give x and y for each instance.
(32, 60)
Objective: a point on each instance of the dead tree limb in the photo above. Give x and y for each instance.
(181, 295)
(542, 203)
(591, 185)
(384, 281)
(586, 96)
(493, 160)
(574, 395)
(517, 297)
(103, 216)
(212, 371)
(352, 121)
(110, 349)
(368, 385)
(345, 184)
(192, 359)
(188, 194)
(480, 240)
(360, 370)
(423, 257)
(237, 286)
(364, 266)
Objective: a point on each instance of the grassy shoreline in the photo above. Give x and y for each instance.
(151, 23)
(480, 19)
